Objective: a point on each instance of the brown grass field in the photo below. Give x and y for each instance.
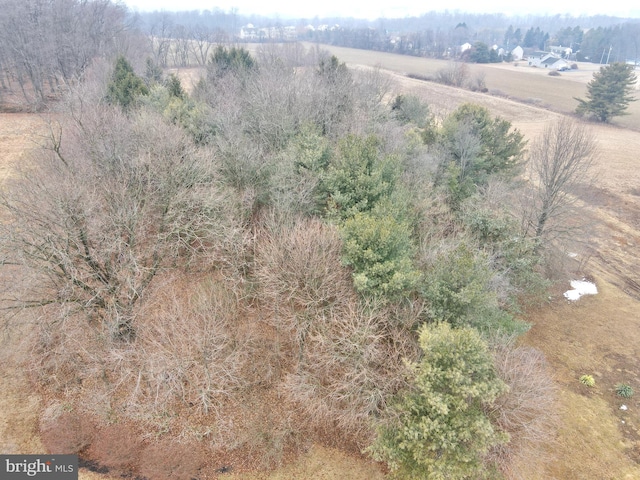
(521, 82)
(598, 335)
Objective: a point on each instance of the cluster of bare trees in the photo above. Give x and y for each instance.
(117, 199)
(45, 44)
(177, 45)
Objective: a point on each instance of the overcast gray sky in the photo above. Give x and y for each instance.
(372, 9)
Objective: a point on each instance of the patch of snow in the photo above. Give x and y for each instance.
(623, 407)
(572, 254)
(580, 287)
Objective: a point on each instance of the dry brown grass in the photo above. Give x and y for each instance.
(522, 83)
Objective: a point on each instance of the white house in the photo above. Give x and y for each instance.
(464, 47)
(564, 52)
(554, 63)
(517, 53)
(249, 32)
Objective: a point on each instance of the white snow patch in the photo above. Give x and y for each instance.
(623, 407)
(580, 287)
(572, 254)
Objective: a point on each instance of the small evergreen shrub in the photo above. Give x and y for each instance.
(587, 380)
(624, 390)
(437, 428)
(378, 248)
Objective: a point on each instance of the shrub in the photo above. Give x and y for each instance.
(624, 390)
(168, 460)
(67, 433)
(527, 411)
(348, 370)
(116, 447)
(587, 380)
(455, 74)
(125, 85)
(357, 178)
(298, 266)
(437, 428)
(554, 73)
(457, 288)
(235, 60)
(378, 248)
(410, 109)
(501, 148)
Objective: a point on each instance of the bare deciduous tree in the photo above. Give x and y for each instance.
(46, 44)
(455, 74)
(113, 201)
(561, 161)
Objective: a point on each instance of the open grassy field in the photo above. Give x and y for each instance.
(598, 335)
(521, 82)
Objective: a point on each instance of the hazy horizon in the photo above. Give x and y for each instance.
(373, 9)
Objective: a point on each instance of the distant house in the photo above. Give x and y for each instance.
(249, 32)
(563, 52)
(554, 63)
(535, 59)
(464, 47)
(547, 60)
(517, 53)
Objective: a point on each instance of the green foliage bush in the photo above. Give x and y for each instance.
(437, 428)
(512, 255)
(357, 177)
(224, 61)
(178, 108)
(409, 109)
(501, 148)
(624, 390)
(125, 86)
(458, 291)
(587, 380)
(378, 248)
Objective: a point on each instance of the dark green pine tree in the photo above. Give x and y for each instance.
(609, 92)
(125, 85)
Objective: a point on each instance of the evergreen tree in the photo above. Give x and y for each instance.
(234, 60)
(609, 92)
(125, 85)
(501, 146)
(438, 429)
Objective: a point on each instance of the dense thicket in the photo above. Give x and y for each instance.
(280, 239)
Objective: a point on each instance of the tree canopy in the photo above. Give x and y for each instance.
(441, 431)
(125, 85)
(609, 92)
